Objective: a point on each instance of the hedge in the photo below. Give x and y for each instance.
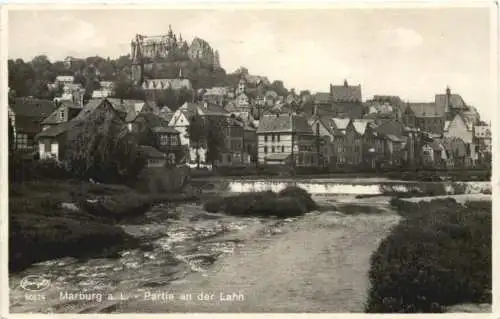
(438, 256)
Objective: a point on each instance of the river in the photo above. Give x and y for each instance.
(196, 261)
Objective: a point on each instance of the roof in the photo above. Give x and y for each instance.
(284, 123)
(164, 129)
(348, 109)
(456, 101)
(426, 109)
(54, 117)
(346, 92)
(163, 84)
(217, 90)
(390, 127)
(150, 152)
(393, 138)
(32, 107)
(56, 130)
(360, 125)
(341, 123)
(322, 98)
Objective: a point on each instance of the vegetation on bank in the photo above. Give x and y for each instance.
(292, 201)
(56, 218)
(438, 256)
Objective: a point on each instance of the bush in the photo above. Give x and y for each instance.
(117, 206)
(289, 202)
(439, 256)
(301, 194)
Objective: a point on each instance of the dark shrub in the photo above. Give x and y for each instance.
(438, 257)
(117, 206)
(301, 194)
(293, 202)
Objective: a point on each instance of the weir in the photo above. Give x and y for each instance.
(355, 187)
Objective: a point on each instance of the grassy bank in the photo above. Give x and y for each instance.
(57, 218)
(292, 201)
(438, 256)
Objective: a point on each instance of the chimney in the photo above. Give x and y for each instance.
(345, 83)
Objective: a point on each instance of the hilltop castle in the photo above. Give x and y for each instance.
(147, 50)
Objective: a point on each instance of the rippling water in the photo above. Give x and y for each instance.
(181, 240)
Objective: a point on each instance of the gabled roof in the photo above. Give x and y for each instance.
(346, 92)
(54, 117)
(340, 123)
(89, 108)
(348, 109)
(284, 123)
(360, 125)
(35, 108)
(427, 109)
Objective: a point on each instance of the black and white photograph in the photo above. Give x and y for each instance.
(249, 158)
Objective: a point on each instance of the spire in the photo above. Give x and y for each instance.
(170, 33)
(180, 37)
(448, 91)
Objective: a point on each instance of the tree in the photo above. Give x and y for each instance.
(102, 148)
(279, 88)
(215, 138)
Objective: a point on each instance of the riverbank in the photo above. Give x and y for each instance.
(67, 218)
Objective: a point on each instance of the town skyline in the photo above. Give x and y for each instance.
(387, 52)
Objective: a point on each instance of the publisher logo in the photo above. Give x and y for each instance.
(34, 283)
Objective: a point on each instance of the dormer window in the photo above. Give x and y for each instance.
(61, 114)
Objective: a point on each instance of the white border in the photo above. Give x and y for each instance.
(236, 4)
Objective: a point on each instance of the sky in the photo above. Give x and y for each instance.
(411, 52)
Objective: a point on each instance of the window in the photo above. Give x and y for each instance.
(265, 149)
(173, 140)
(278, 137)
(272, 148)
(272, 137)
(22, 141)
(61, 114)
(164, 139)
(265, 137)
(282, 149)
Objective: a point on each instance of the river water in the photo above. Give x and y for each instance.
(185, 244)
